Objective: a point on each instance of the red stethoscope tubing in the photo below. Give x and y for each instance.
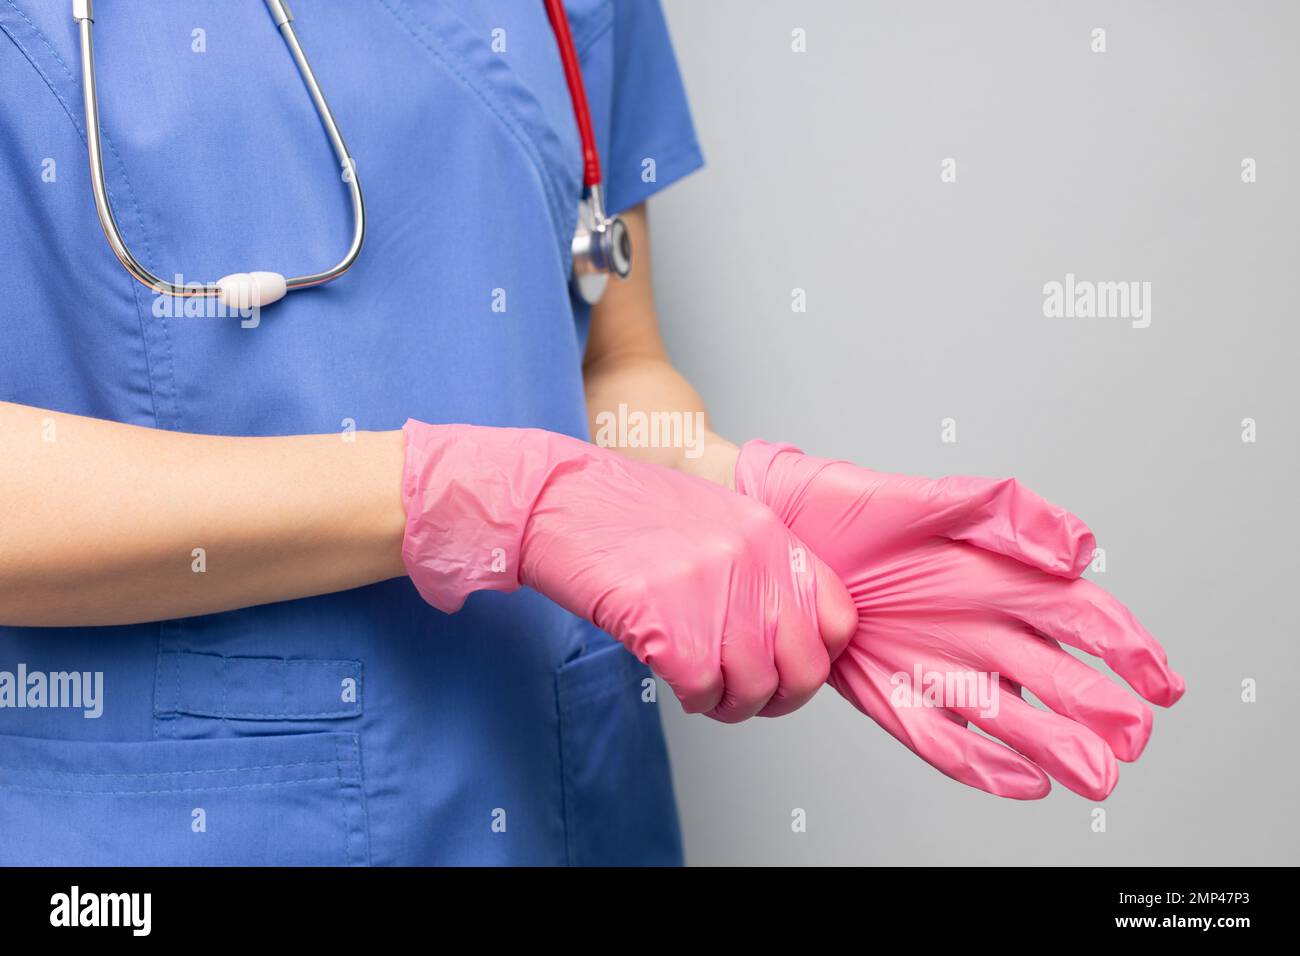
(577, 91)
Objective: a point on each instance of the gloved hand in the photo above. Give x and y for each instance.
(971, 576)
(706, 587)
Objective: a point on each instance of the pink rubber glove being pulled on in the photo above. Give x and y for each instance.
(957, 580)
(705, 586)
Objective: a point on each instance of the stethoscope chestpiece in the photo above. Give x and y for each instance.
(601, 246)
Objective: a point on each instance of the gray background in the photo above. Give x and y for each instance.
(925, 302)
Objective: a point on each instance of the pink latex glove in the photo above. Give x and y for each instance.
(972, 575)
(708, 588)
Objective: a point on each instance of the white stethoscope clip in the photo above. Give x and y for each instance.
(251, 290)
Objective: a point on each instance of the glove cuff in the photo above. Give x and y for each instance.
(753, 463)
(468, 492)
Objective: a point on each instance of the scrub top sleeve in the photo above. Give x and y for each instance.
(649, 140)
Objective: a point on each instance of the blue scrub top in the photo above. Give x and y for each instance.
(362, 727)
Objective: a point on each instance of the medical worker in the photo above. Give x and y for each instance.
(346, 583)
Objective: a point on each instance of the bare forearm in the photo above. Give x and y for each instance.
(621, 387)
(105, 523)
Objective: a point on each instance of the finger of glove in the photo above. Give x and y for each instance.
(749, 677)
(1071, 688)
(696, 681)
(802, 663)
(1067, 750)
(837, 615)
(928, 732)
(1083, 615)
(1005, 517)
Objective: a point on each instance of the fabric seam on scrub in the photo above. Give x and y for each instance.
(360, 784)
(130, 190)
(676, 162)
(138, 793)
(564, 769)
(343, 807)
(627, 671)
(356, 780)
(131, 201)
(557, 203)
(168, 634)
(171, 773)
(584, 44)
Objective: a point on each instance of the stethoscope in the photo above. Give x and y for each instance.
(601, 244)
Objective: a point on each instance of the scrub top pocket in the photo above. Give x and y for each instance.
(293, 800)
(618, 799)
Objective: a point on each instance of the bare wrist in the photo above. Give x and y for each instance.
(716, 461)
